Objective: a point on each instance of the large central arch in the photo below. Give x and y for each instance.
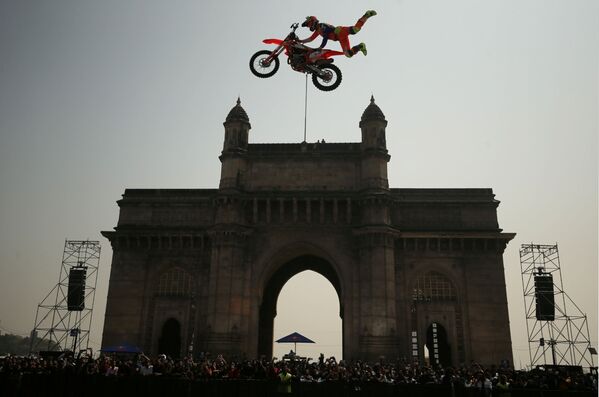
(274, 285)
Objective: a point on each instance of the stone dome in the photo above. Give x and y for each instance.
(373, 112)
(237, 113)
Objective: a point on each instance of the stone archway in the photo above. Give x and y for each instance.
(274, 285)
(276, 203)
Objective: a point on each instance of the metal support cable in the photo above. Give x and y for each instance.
(305, 107)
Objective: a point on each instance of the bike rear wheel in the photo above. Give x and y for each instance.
(261, 66)
(328, 79)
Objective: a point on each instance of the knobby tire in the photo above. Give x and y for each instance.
(256, 72)
(336, 75)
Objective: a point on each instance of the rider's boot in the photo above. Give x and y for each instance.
(355, 49)
(363, 48)
(355, 29)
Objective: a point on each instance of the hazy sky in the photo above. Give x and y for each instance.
(99, 96)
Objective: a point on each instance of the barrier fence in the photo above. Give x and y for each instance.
(150, 386)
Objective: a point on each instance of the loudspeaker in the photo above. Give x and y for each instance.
(544, 297)
(76, 294)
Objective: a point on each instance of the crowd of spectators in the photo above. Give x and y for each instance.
(356, 374)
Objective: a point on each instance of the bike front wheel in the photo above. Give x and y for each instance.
(263, 67)
(328, 78)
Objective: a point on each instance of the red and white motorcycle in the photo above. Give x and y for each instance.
(301, 58)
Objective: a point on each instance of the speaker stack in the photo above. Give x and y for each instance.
(76, 291)
(544, 297)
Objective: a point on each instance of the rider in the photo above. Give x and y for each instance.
(337, 33)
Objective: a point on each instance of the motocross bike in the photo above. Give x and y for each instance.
(303, 59)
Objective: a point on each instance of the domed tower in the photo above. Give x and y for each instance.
(374, 148)
(374, 239)
(237, 128)
(226, 322)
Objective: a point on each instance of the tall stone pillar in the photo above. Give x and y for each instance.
(378, 334)
(228, 293)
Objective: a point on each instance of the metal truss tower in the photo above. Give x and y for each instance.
(562, 336)
(57, 322)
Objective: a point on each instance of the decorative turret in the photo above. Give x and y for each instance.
(374, 148)
(373, 126)
(237, 128)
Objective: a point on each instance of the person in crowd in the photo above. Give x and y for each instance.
(480, 381)
(285, 377)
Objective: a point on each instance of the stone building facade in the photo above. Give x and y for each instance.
(411, 267)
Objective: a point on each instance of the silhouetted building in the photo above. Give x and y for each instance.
(412, 267)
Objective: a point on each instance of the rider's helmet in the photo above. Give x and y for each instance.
(311, 22)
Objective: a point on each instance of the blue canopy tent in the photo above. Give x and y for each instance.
(121, 349)
(294, 338)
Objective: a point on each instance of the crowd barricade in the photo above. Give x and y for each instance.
(71, 385)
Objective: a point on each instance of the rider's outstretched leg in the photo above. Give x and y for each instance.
(355, 49)
(356, 28)
(342, 33)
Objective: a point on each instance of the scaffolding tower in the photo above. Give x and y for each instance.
(57, 322)
(560, 337)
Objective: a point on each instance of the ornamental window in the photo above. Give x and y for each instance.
(175, 282)
(433, 286)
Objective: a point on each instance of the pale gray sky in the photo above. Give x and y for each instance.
(99, 96)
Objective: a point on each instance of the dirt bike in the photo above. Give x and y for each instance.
(303, 59)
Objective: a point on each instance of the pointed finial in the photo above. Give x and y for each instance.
(238, 101)
(371, 98)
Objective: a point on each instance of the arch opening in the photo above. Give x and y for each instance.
(170, 339)
(308, 304)
(437, 346)
(272, 290)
